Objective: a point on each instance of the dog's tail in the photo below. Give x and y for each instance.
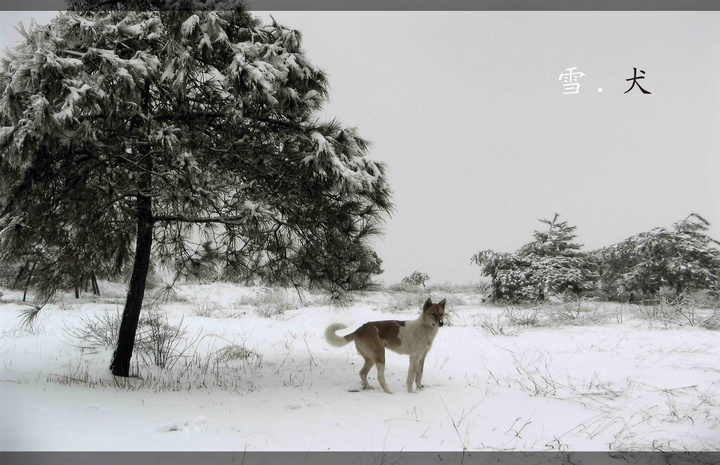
(335, 340)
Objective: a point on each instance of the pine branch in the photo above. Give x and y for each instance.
(230, 220)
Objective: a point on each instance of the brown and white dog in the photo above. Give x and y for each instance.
(413, 338)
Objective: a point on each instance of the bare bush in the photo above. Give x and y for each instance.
(156, 340)
(712, 322)
(273, 303)
(205, 308)
(523, 317)
(498, 326)
(234, 353)
(404, 301)
(99, 331)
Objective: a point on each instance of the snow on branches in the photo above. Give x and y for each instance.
(189, 123)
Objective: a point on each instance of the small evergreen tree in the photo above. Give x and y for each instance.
(416, 279)
(682, 259)
(557, 264)
(551, 264)
(510, 275)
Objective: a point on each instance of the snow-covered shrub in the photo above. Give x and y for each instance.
(680, 260)
(550, 265)
(416, 279)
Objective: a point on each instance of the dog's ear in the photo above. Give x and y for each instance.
(442, 304)
(428, 304)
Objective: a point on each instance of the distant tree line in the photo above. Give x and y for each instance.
(676, 261)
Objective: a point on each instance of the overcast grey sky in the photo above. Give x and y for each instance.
(468, 111)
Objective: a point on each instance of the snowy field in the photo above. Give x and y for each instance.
(250, 371)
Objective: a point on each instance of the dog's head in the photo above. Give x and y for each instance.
(433, 314)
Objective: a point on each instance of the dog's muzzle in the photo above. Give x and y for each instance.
(440, 323)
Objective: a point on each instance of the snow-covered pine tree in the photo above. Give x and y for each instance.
(551, 264)
(134, 131)
(682, 259)
(558, 265)
(510, 275)
(556, 240)
(695, 261)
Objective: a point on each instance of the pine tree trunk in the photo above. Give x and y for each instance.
(27, 283)
(678, 290)
(95, 286)
(120, 364)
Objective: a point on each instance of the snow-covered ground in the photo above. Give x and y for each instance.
(256, 374)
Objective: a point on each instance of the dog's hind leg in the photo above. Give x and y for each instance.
(380, 363)
(364, 372)
(367, 351)
(381, 377)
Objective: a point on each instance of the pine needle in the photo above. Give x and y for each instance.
(28, 317)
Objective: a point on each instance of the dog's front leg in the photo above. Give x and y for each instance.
(419, 373)
(412, 372)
